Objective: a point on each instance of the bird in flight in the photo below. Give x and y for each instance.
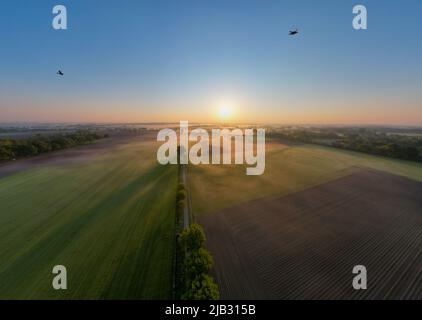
(293, 32)
(60, 73)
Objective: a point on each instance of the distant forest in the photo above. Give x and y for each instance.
(406, 146)
(11, 149)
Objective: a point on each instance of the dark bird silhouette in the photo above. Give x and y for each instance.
(60, 73)
(293, 32)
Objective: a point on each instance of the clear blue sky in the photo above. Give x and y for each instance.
(175, 60)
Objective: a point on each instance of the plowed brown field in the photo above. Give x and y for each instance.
(305, 245)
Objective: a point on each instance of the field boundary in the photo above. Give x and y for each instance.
(187, 210)
(190, 252)
(182, 222)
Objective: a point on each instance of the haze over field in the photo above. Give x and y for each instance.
(105, 215)
(339, 141)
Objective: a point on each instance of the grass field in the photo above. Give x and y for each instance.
(109, 218)
(109, 221)
(288, 169)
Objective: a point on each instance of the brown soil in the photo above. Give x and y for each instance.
(305, 245)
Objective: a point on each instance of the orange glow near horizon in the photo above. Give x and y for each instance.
(216, 113)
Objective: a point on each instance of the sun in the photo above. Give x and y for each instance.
(225, 111)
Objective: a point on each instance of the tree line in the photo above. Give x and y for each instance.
(11, 149)
(193, 261)
(400, 146)
(197, 263)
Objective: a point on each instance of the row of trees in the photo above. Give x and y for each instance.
(193, 261)
(198, 285)
(393, 146)
(400, 146)
(11, 149)
(181, 197)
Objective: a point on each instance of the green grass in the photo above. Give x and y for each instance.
(288, 169)
(109, 221)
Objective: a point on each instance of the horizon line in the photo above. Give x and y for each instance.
(9, 123)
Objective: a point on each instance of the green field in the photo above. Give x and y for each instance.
(110, 221)
(288, 169)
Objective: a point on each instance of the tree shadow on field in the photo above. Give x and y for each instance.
(35, 263)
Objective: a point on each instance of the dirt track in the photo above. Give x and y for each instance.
(304, 246)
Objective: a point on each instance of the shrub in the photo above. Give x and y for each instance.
(198, 262)
(6, 153)
(179, 208)
(192, 238)
(202, 287)
(181, 195)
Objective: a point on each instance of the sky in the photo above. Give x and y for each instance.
(165, 61)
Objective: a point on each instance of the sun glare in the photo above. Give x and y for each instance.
(225, 111)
